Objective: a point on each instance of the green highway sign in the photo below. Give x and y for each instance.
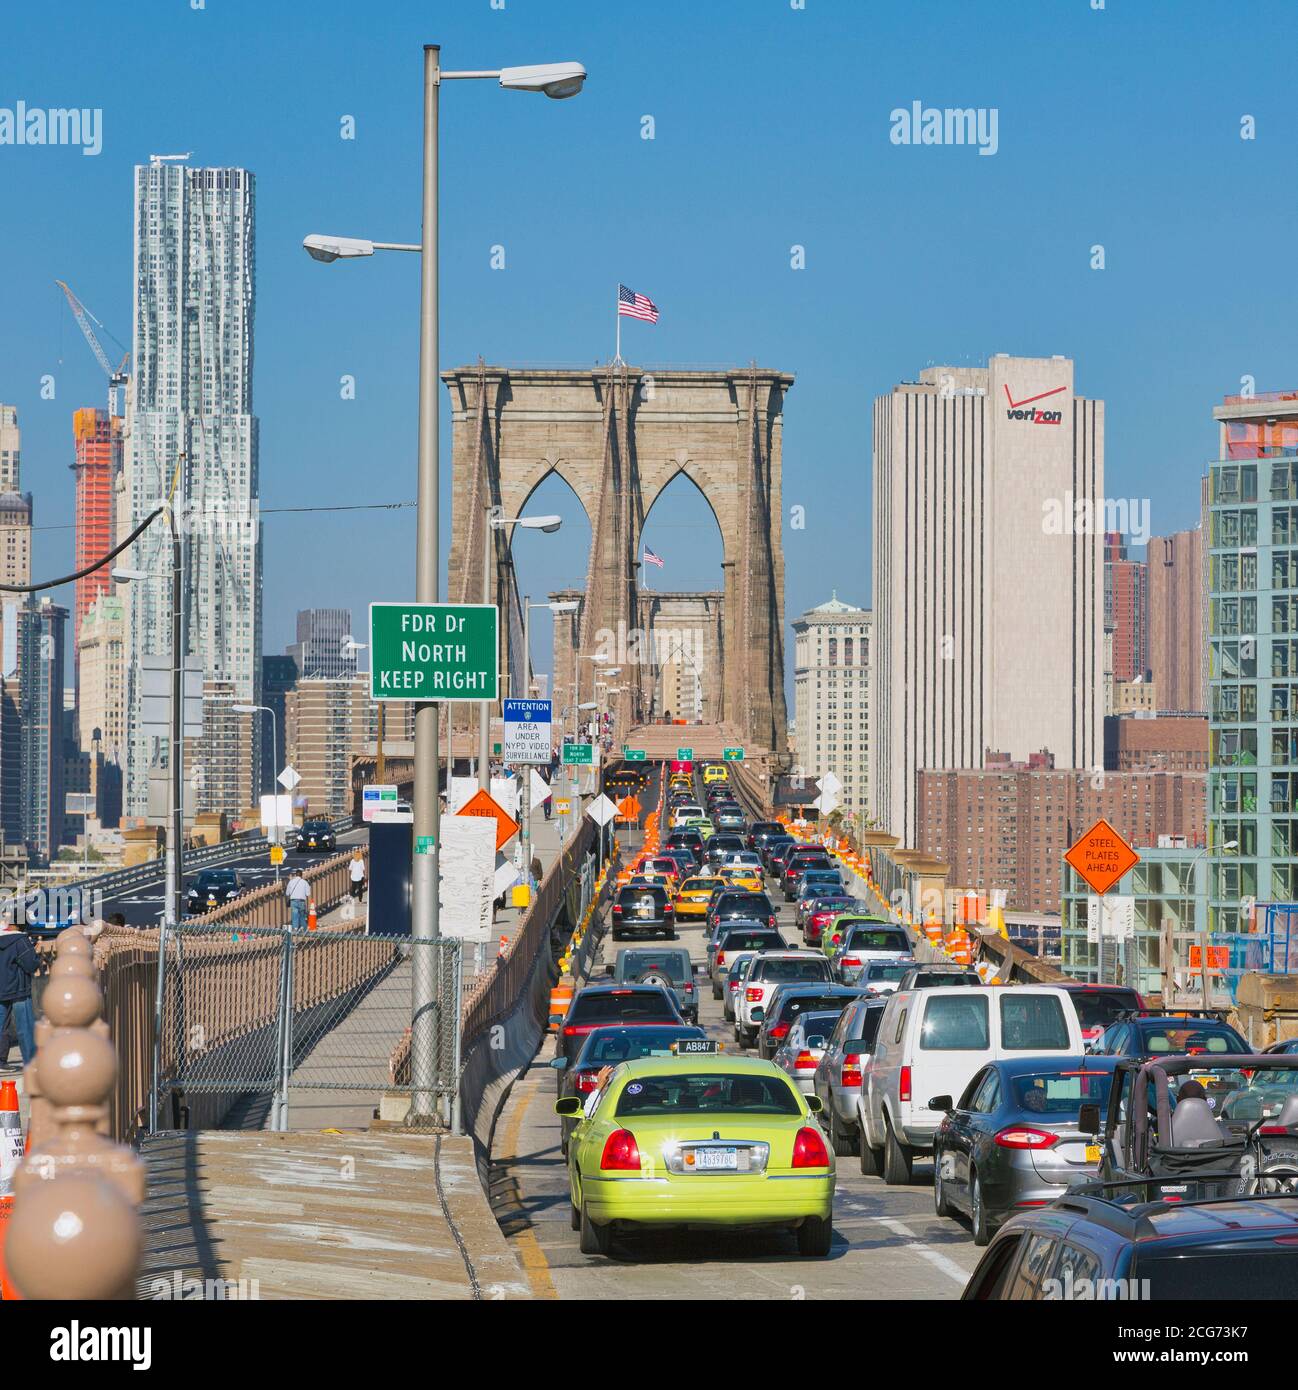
(495, 750)
(579, 754)
(732, 755)
(423, 844)
(684, 755)
(633, 755)
(434, 651)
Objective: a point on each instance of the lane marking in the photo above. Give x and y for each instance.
(530, 1254)
(926, 1252)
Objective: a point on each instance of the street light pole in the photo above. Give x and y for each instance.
(425, 908)
(274, 758)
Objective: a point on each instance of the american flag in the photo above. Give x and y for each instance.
(636, 306)
(651, 559)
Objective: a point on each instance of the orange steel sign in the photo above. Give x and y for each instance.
(1218, 958)
(484, 804)
(1101, 857)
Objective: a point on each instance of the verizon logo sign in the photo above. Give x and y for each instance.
(1024, 409)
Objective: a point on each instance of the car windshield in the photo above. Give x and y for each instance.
(792, 1005)
(1097, 1008)
(818, 1023)
(1190, 1038)
(751, 941)
(882, 970)
(1060, 1093)
(698, 1093)
(215, 878)
(879, 939)
(805, 968)
(647, 1003)
(607, 1046)
(674, 964)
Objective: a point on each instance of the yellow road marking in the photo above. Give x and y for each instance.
(530, 1254)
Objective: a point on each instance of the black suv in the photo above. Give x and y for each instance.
(761, 831)
(213, 888)
(315, 835)
(643, 909)
(741, 902)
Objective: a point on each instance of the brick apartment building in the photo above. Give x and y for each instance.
(1007, 825)
(1173, 743)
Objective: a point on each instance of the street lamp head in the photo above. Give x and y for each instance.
(124, 576)
(245, 709)
(566, 606)
(333, 248)
(556, 80)
(548, 524)
(611, 671)
(589, 704)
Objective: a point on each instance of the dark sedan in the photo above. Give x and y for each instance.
(1013, 1140)
(213, 888)
(315, 835)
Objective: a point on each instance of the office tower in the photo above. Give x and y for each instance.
(15, 506)
(11, 762)
(10, 449)
(97, 438)
(831, 692)
(278, 677)
(988, 576)
(40, 708)
(323, 649)
(1176, 621)
(1126, 600)
(1253, 658)
(223, 763)
(101, 704)
(192, 403)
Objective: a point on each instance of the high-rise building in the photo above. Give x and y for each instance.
(988, 593)
(1253, 658)
(330, 722)
(190, 423)
(278, 677)
(10, 449)
(831, 698)
(15, 506)
(100, 702)
(1176, 621)
(97, 438)
(324, 649)
(1126, 601)
(221, 765)
(40, 711)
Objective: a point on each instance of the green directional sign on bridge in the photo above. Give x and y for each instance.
(685, 755)
(434, 651)
(732, 755)
(633, 755)
(579, 754)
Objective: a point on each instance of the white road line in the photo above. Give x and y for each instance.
(926, 1252)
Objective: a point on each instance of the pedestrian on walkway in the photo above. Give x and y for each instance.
(18, 963)
(298, 893)
(545, 806)
(356, 872)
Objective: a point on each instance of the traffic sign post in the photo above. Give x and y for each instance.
(579, 755)
(633, 755)
(1100, 858)
(434, 651)
(732, 755)
(685, 755)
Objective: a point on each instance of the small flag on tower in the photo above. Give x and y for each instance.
(636, 306)
(651, 559)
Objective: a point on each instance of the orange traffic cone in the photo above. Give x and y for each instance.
(310, 915)
(11, 1155)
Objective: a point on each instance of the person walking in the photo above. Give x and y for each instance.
(356, 872)
(18, 963)
(298, 893)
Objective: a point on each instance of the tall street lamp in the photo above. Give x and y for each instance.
(274, 761)
(555, 80)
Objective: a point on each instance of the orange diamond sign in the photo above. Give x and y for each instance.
(1102, 856)
(482, 803)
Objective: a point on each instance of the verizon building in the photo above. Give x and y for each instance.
(988, 589)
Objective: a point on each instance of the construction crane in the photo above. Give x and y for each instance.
(118, 377)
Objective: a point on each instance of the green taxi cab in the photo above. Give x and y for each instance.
(698, 1139)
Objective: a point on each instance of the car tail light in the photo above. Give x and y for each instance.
(850, 960)
(689, 987)
(804, 1061)
(1024, 1137)
(668, 909)
(621, 1153)
(585, 1081)
(721, 959)
(753, 993)
(570, 1030)
(770, 921)
(809, 1149)
(850, 1073)
(1274, 1129)
(903, 1084)
(778, 1031)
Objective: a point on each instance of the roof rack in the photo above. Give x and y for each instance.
(1173, 1012)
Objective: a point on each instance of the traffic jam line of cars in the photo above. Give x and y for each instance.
(1020, 1096)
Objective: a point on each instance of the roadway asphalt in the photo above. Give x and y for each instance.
(141, 904)
(888, 1243)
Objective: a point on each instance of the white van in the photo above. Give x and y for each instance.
(932, 1041)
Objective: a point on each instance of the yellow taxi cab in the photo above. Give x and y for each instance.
(695, 894)
(741, 876)
(715, 772)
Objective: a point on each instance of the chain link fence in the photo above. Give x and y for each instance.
(267, 1027)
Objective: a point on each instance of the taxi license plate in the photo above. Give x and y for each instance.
(716, 1158)
(313, 844)
(1092, 1153)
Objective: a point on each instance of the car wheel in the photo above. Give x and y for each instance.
(617, 935)
(843, 1140)
(716, 993)
(897, 1159)
(871, 1159)
(815, 1236)
(574, 1215)
(940, 1203)
(595, 1240)
(982, 1231)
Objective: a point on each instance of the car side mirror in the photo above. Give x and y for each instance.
(558, 1063)
(608, 969)
(814, 1104)
(816, 1040)
(944, 1103)
(759, 1013)
(1088, 1119)
(569, 1106)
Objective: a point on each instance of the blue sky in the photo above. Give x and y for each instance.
(1117, 126)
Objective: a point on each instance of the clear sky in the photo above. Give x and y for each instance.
(1118, 126)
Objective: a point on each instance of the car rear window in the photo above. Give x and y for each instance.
(700, 885)
(1033, 1022)
(1060, 1093)
(883, 970)
(644, 1003)
(1253, 1272)
(819, 1022)
(1201, 1038)
(674, 964)
(1097, 1008)
(796, 1004)
(808, 968)
(751, 941)
(879, 939)
(609, 1048)
(745, 905)
(955, 1023)
(701, 1093)
(633, 893)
